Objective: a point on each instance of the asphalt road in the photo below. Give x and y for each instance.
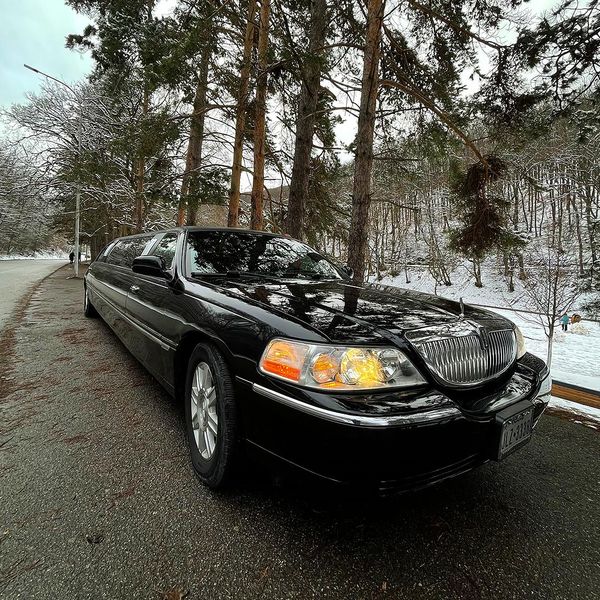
(16, 277)
(98, 499)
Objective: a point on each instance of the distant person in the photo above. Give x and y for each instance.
(564, 321)
(71, 257)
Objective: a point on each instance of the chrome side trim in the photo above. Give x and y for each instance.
(153, 337)
(436, 414)
(139, 327)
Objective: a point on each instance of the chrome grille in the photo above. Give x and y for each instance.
(466, 356)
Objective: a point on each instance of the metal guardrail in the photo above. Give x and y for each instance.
(522, 310)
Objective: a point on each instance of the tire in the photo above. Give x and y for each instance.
(88, 308)
(215, 418)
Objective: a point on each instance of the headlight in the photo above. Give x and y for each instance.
(338, 367)
(520, 342)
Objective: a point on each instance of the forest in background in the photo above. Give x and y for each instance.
(477, 133)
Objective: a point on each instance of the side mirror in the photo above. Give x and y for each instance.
(151, 265)
(348, 271)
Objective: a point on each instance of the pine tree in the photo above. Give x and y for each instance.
(363, 161)
(310, 74)
(259, 136)
(240, 116)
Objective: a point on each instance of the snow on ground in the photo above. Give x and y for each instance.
(58, 255)
(576, 354)
(493, 293)
(579, 413)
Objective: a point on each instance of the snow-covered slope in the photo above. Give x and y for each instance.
(576, 353)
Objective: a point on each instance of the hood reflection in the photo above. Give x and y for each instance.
(349, 313)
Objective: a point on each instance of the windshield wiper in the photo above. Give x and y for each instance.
(276, 276)
(231, 273)
(216, 274)
(305, 274)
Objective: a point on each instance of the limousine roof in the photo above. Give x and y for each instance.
(197, 228)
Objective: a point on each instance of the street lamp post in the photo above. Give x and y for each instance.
(78, 184)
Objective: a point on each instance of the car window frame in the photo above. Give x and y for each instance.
(106, 250)
(156, 241)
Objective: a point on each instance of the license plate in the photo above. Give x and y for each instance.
(516, 431)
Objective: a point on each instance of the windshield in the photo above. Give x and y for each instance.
(228, 252)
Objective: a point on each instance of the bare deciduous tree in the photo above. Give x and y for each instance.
(549, 291)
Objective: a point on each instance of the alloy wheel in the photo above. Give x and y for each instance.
(205, 420)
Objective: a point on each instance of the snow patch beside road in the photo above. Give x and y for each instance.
(586, 413)
(36, 256)
(576, 353)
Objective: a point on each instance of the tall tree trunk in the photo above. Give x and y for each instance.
(258, 179)
(190, 187)
(516, 206)
(140, 170)
(571, 198)
(363, 161)
(306, 119)
(477, 272)
(559, 229)
(506, 262)
(522, 272)
(550, 338)
(591, 225)
(233, 217)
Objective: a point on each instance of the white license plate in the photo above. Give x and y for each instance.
(515, 431)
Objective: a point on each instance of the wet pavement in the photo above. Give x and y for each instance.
(98, 498)
(16, 277)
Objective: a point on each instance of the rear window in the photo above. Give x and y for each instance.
(124, 251)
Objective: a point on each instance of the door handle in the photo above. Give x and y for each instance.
(134, 289)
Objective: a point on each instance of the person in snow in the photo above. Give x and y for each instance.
(564, 321)
(72, 257)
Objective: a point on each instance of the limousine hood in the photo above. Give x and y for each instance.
(347, 313)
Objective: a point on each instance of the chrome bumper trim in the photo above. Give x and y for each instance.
(436, 414)
(545, 386)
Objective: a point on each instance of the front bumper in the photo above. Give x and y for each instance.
(396, 442)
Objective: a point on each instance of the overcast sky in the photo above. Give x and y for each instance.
(34, 31)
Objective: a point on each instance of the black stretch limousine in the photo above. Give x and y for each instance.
(274, 349)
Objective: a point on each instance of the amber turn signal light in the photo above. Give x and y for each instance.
(284, 359)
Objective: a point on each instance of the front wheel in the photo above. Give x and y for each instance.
(211, 416)
(88, 308)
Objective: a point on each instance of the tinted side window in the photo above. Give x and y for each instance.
(125, 251)
(166, 248)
